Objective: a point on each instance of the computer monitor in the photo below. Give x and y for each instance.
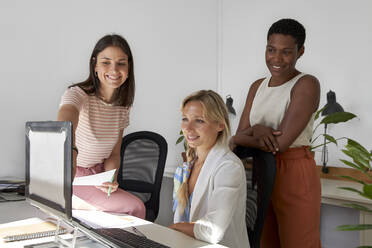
(49, 173)
(49, 166)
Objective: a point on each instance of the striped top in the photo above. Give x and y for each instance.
(99, 126)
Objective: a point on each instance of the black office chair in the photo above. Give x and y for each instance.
(142, 163)
(262, 184)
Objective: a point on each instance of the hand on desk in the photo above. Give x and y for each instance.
(106, 186)
(184, 227)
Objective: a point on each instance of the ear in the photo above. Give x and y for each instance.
(301, 52)
(220, 127)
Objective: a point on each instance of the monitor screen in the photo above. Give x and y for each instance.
(49, 166)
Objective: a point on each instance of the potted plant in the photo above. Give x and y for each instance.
(360, 160)
(333, 118)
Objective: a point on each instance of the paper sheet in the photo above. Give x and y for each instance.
(95, 180)
(98, 219)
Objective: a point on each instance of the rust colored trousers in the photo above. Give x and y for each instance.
(293, 217)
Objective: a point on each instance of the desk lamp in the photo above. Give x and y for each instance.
(229, 104)
(331, 107)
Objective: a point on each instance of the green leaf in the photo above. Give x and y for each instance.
(357, 191)
(359, 227)
(313, 140)
(179, 140)
(352, 179)
(327, 142)
(181, 133)
(315, 128)
(367, 190)
(330, 139)
(359, 153)
(366, 196)
(351, 164)
(357, 157)
(355, 166)
(354, 143)
(352, 190)
(338, 117)
(318, 113)
(357, 206)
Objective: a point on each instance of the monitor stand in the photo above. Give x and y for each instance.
(76, 241)
(64, 242)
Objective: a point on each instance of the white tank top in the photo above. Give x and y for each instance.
(270, 104)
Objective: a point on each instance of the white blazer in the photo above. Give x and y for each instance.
(218, 201)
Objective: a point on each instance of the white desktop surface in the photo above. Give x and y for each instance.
(13, 211)
(332, 194)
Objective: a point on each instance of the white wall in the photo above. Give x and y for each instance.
(45, 46)
(338, 52)
(177, 44)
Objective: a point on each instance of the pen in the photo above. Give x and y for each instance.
(138, 232)
(110, 188)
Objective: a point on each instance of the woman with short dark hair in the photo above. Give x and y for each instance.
(278, 117)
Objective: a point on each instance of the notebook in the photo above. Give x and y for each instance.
(29, 231)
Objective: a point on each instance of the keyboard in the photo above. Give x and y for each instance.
(124, 238)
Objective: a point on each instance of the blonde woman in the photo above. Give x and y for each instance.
(210, 188)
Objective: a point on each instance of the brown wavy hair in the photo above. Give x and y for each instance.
(124, 95)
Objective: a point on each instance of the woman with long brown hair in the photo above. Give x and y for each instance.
(99, 111)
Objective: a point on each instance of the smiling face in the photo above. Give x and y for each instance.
(199, 132)
(281, 55)
(112, 70)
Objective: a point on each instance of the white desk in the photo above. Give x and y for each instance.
(12, 211)
(331, 194)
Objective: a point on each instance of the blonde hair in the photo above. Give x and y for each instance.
(214, 109)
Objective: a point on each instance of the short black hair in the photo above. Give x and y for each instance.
(289, 27)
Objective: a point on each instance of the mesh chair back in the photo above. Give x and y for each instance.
(140, 163)
(143, 156)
